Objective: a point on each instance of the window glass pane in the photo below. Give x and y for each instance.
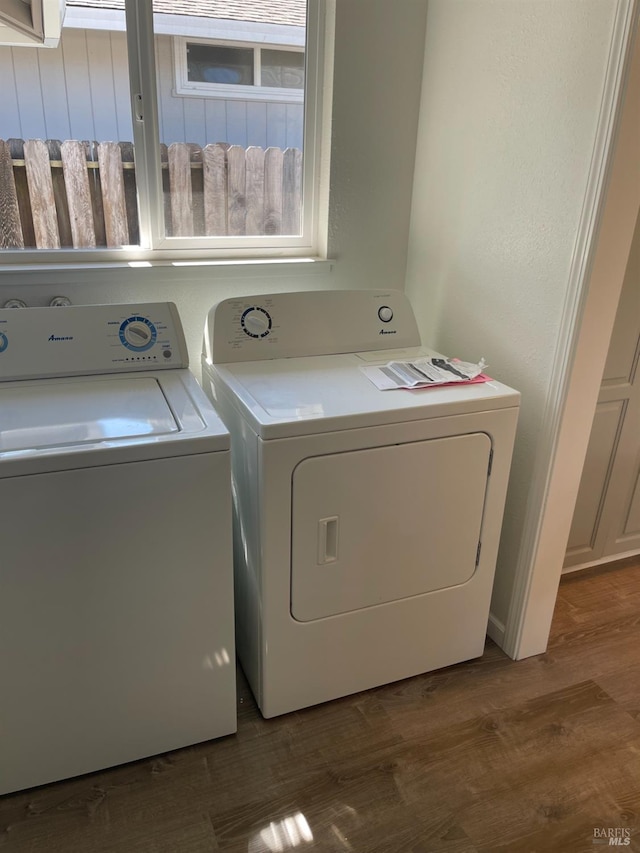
(231, 164)
(282, 68)
(207, 63)
(231, 161)
(66, 130)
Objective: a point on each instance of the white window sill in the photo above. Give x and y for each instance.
(239, 93)
(234, 267)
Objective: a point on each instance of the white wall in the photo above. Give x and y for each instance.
(510, 104)
(378, 70)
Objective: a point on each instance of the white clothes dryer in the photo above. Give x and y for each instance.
(116, 580)
(366, 521)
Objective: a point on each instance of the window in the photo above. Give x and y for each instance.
(250, 72)
(212, 63)
(201, 133)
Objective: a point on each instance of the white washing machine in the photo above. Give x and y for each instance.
(366, 521)
(116, 580)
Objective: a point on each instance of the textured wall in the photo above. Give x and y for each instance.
(379, 47)
(510, 101)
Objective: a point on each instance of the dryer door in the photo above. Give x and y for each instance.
(380, 524)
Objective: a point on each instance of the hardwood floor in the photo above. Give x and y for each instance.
(491, 755)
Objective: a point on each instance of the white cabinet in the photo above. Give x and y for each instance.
(606, 519)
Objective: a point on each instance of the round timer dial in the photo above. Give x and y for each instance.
(256, 322)
(138, 334)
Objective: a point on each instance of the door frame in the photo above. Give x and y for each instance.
(611, 205)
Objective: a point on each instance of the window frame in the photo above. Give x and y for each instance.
(230, 91)
(155, 246)
(139, 18)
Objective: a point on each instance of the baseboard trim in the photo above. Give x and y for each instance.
(495, 630)
(612, 558)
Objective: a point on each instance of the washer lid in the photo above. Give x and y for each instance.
(65, 412)
(51, 425)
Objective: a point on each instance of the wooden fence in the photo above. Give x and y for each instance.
(76, 194)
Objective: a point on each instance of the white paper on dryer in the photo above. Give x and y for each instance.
(423, 373)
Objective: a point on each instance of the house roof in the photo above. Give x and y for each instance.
(288, 12)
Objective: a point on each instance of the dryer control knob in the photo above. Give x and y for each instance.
(385, 313)
(256, 322)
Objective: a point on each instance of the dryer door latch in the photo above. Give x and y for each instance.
(327, 540)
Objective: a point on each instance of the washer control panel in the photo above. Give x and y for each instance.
(286, 325)
(85, 339)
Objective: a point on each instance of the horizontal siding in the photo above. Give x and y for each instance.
(257, 125)
(216, 120)
(103, 95)
(170, 109)
(80, 90)
(74, 57)
(28, 91)
(9, 111)
(54, 95)
(119, 60)
(184, 118)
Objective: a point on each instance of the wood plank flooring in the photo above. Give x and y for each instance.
(491, 755)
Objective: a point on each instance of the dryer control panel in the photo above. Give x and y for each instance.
(323, 322)
(36, 343)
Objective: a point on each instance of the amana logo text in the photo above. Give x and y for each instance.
(57, 338)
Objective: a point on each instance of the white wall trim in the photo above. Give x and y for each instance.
(495, 630)
(603, 561)
(521, 613)
(211, 273)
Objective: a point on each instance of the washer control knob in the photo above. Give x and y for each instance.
(137, 334)
(14, 303)
(385, 313)
(256, 322)
(60, 302)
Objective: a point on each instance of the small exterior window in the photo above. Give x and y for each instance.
(282, 69)
(211, 63)
(246, 72)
